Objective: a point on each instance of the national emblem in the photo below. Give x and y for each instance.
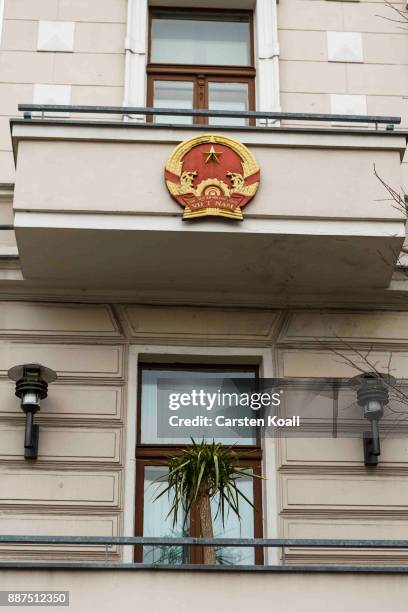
(212, 175)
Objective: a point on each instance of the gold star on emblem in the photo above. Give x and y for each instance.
(212, 155)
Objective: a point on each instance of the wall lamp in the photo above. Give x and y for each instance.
(372, 396)
(31, 387)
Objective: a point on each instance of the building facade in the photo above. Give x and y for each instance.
(102, 281)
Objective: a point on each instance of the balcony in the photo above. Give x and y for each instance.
(186, 587)
(92, 209)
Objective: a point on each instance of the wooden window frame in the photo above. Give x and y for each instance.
(201, 11)
(200, 89)
(154, 454)
(201, 75)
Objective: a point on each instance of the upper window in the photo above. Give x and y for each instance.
(154, 379)
(203, 38)
(201, 59)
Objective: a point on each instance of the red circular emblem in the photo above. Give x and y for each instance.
(212, 175)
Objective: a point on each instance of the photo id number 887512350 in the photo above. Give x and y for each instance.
(34, 598)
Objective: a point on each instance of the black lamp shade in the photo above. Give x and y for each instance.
(32, 371)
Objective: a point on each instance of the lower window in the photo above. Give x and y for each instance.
(152, 515)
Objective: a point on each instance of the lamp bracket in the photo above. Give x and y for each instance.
(370, 459)
(31, 451)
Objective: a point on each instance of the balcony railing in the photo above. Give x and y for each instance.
(282, 544)
(261, 119)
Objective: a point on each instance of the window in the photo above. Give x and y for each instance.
(201, 59)
(152, 450)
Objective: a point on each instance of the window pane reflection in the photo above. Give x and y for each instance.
(157, 523)
(228, 96)
(201, 39)
(210, 381)
(173, 94)
(235, 528)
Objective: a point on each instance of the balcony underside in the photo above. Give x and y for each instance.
(171, 256)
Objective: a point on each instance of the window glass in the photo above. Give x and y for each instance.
(173, 94)
(200, 38)
(157, 523)
(228, 96)
(235, 528)
(208, 380)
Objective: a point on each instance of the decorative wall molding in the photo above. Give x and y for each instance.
(317, 453)
(33, 488)
(59, 444)
(85, 403)
(61, 320)
(45, 93)
(345, 47)
(193, 326)
(344, 494)
(70, 361)
(267, 54)
(353, 327)
(136, 54)
(348, 104)
(379, 300)
(58, 524)
(321, 363)
(56, 36)
(343, 528)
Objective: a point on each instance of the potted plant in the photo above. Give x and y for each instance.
(199, 474)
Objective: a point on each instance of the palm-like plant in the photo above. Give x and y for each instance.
(202, 472)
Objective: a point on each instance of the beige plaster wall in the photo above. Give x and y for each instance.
(307, 77)
(77, 484)
(95, 68)
(8, 244)
(324, 488)
(127, 177)
(183, 591)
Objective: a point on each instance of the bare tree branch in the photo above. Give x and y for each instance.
(402, 14)
(400, 203)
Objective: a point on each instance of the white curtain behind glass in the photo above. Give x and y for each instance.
(149, 403)
(227, 96)
(173, 94)
(200, 42)
(155, 524)
(235, 528)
